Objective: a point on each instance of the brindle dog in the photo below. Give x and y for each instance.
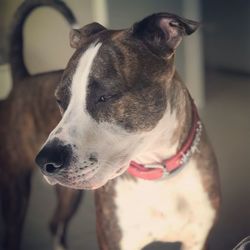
(126, 117)
(27, 116)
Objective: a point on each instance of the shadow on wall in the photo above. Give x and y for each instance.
(227, 34)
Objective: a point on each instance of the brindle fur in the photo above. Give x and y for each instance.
(28, 115)
(108, 231)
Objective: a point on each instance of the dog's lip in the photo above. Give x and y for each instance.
(86, 178)
(68, 180)
(120, 171)
(94, 186)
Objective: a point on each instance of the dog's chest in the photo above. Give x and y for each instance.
(159, 210)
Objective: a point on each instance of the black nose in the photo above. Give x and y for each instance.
(54, 156)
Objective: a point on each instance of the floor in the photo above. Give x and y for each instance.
(227, 117)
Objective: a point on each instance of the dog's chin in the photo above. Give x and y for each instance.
(50, 180)
(77, 184)
(90, 184)
(94, 182)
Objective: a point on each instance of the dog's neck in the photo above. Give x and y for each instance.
(172, 130)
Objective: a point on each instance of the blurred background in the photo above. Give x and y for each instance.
(214, 63)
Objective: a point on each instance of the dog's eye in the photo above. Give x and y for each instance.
(60, 105)
(59, 102)
(104, 98)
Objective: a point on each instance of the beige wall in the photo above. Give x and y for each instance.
(46, 33)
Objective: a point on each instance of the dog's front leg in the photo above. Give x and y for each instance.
(15, 198)
(68, 201)
(107, 229)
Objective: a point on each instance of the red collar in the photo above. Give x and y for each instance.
(169, 166)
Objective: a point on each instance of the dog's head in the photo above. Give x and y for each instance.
(112, 95)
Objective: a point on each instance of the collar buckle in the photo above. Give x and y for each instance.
(165, 172)
(154, 165)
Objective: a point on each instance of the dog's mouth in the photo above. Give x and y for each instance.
(50, 180)
(93, 179)
(72, 179)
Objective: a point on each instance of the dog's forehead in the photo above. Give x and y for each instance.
(115, 64)
(123, 60)
(105, 38)
(120, 55)
(106, 63)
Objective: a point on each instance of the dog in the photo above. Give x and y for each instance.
(131, 131)
(28, 115)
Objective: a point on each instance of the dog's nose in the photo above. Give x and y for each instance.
(54, 156)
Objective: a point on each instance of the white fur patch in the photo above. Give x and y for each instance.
(158, 144)
(175, 209)
(80, 79)
(74, 116)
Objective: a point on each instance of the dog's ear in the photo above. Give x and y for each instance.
(78, 36)
(163, 32)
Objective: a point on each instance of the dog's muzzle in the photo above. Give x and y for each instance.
(54, 157)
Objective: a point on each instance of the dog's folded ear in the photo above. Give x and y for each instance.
(77, 37)
(163, 32)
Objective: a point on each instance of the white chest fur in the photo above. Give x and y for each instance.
(175, 209)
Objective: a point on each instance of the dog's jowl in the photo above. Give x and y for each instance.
(131, 130)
